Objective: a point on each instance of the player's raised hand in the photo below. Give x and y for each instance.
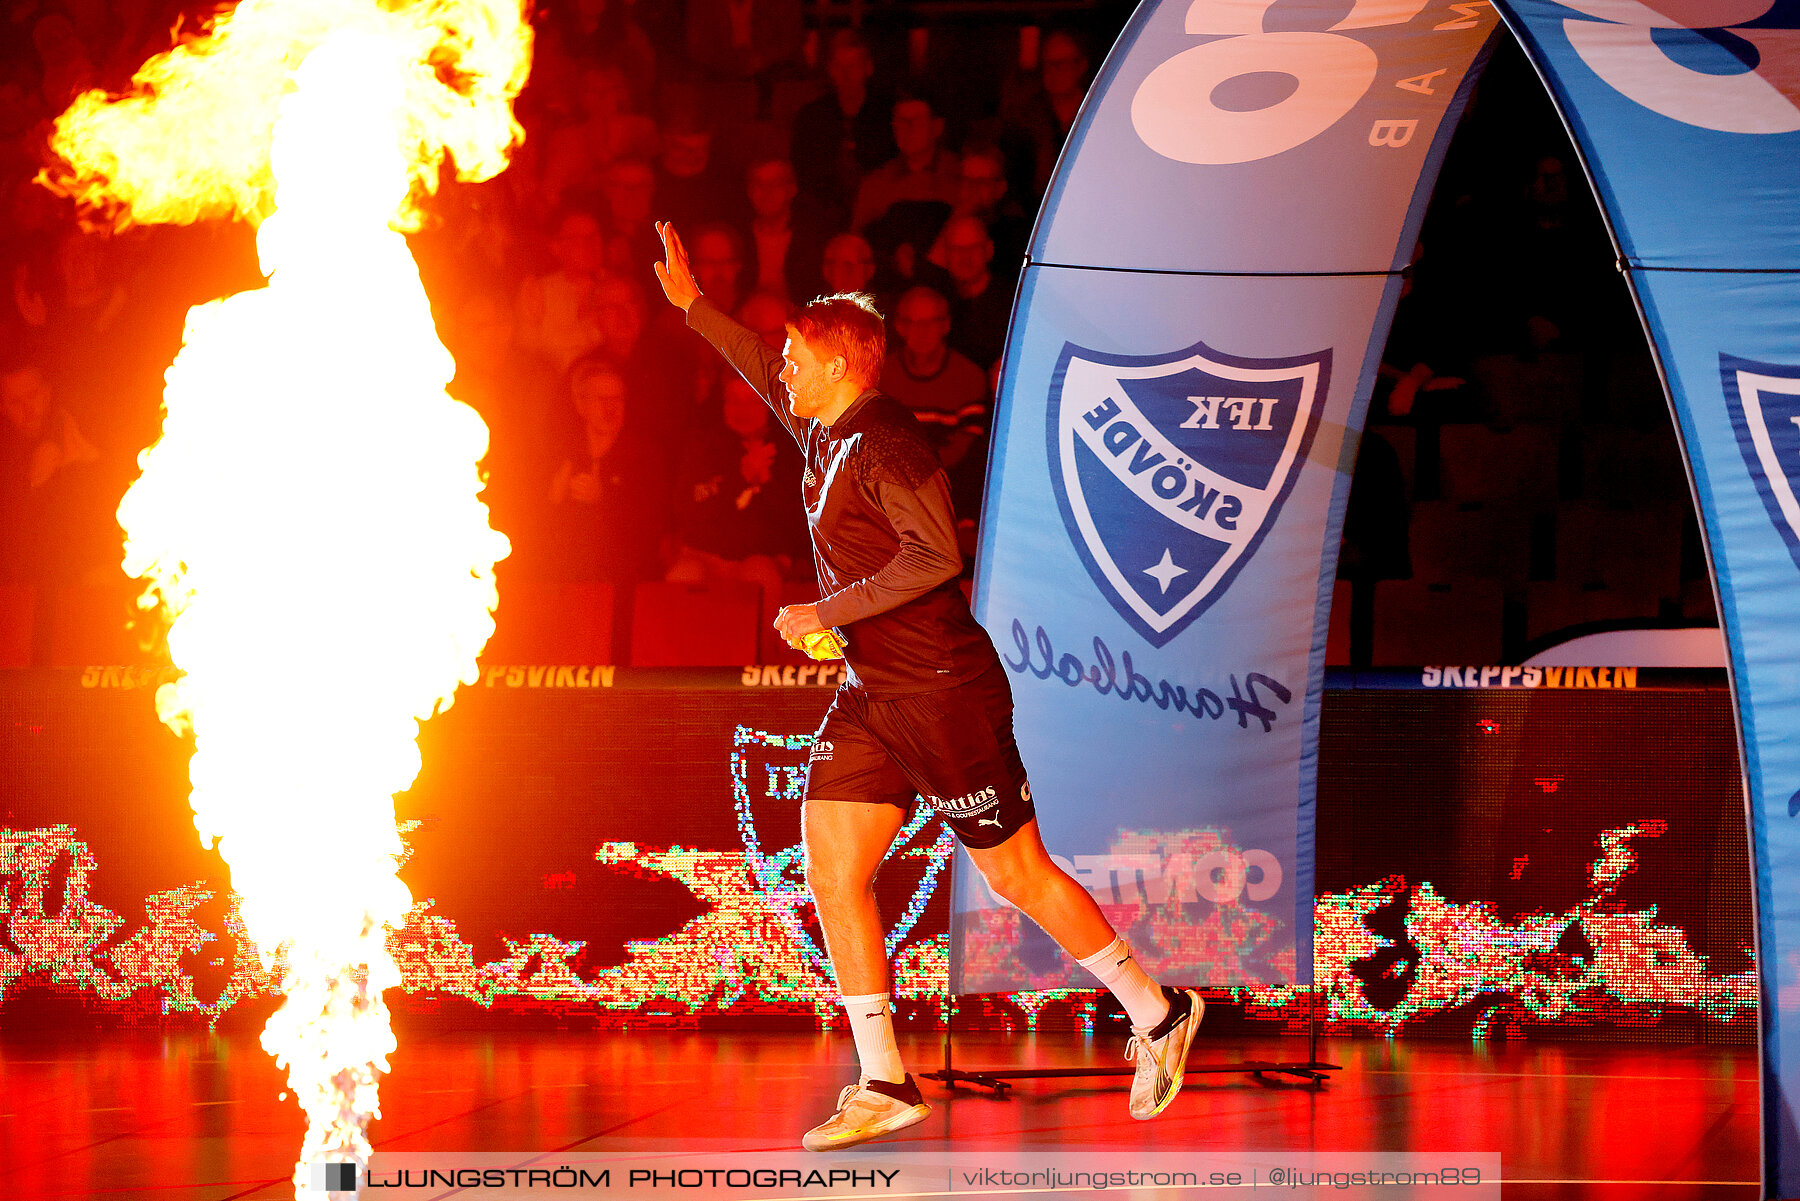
(673, 273)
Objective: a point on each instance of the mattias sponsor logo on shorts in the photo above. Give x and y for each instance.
(965, 806)
(1170, 469)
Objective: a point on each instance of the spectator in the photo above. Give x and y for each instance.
(1421, 359)
(628, 187)
(56, 523)
(1038, 120)
(718, 263)
(618, 312)
(71, 297)
(516, 394)
(512, 389)
(922, 170)
(945, 391)
(654, 380)
(73, 304)
(767, 316)
(844, 134)
(903, 238)
(848, 264)
(980, 306)
(551, 309)
(735, 512)
(968, 479)
(577, 154)
(604, 491)
(690, 190)
(984, 193)
(595, 31)
(476, 241)
(743, 39)
(787, 233)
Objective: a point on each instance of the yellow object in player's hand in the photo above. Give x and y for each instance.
(823, 644)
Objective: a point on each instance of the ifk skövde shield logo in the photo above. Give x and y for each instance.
(1170, 469)
(1764, 402)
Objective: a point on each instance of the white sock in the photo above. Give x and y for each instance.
(872, 1025)
(1118, 969)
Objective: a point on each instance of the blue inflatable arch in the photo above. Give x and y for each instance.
(1191, 358)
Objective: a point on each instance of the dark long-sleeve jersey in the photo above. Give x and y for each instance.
(883, 531)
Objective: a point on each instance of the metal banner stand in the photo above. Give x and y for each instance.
(1312, 1071)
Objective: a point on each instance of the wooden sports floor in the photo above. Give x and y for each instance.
(194, 1117)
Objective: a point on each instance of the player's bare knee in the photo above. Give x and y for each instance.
(839, 896)
(836, 883)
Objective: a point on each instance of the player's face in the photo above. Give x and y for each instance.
(807, 380)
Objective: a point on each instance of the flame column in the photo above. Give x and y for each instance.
(311, 519)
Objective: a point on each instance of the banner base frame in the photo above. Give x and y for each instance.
(1312, 1070)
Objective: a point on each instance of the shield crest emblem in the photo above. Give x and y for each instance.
(1764, 401)
(1170, 469)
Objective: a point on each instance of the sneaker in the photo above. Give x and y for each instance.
(868, 1109)
(1161, 1053)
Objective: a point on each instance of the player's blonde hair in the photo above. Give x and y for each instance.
(847, 324)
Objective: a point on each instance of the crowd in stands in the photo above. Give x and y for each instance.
(905, 159)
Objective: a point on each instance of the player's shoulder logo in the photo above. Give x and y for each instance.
(1764, 402)
(1169, 469)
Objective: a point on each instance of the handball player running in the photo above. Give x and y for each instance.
(926, 709)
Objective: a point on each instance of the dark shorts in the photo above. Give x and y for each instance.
(953, 747)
